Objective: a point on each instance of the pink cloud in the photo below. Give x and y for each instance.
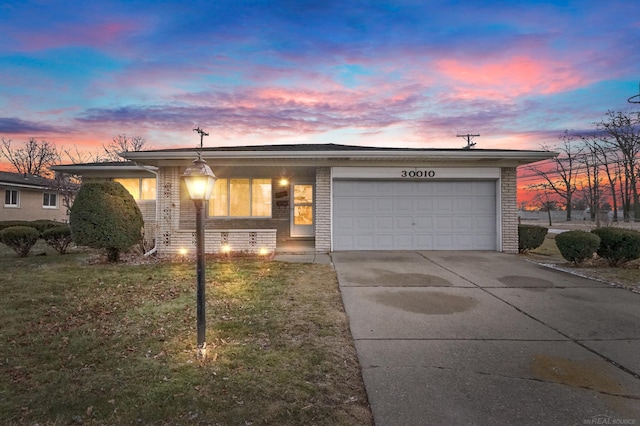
(95, 35)
(509, 78)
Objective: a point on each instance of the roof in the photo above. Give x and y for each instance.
(101, 166)
(331, 151)
(24, 180)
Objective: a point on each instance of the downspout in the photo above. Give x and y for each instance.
(155, 245)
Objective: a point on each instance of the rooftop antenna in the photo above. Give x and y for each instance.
(468, 137)
(635, 99)
(202, 134)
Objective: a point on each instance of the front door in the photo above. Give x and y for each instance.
(302, 222)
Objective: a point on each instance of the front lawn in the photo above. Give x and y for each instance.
(93, 343)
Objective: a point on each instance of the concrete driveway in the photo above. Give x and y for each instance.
(485, 338)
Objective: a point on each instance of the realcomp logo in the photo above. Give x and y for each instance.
(601, 419)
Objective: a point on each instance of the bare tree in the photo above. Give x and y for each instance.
(544, 193)
(593, 166)
(78, 157)
(561, 176)
(123, 143)
(622, 130)
(32, 158)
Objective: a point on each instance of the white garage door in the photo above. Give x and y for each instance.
(414, 215)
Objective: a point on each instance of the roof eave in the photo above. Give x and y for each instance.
(519, 157)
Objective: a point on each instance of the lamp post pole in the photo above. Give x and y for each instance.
(199, 180)
(201, 318)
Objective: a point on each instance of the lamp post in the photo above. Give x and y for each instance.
(200, 180)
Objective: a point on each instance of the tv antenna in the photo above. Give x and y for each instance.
(202, 134)
(468, 137)
(635, 99)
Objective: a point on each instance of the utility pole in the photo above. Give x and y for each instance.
(202, 134)
(635, 99)
(468, 137)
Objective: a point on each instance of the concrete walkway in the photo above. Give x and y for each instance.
(484, 338)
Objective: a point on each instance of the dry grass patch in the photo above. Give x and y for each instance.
(115, 344)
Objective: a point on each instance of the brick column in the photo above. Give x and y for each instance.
(168, 199)
(509, 210)
(323, 209)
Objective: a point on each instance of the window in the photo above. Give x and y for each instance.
(242, 197)
(49, 200)
(139, 188)
(11, 198)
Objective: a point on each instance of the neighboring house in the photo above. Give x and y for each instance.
(339, 197)
(28, 197)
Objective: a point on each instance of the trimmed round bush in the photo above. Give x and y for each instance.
(59, 238)
(530, 237)
(618, 245)
(577, 246)
(105, 216)
(20, 238)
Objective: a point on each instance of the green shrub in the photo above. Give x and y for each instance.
(20, 238)
(618, 245)
(59, 238)
(577, 246)
(44, 224)
(8, 223)
(530, 237)
(105, 216)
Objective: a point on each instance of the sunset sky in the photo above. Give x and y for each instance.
(379, 73)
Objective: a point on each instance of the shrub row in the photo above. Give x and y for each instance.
(615, 245)
(41, 225)
(22, 238)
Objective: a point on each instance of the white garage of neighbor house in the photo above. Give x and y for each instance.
(340, 197)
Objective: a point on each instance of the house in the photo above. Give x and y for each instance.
(28, 197)
(337, 197)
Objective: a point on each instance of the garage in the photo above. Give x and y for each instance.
(414, 215)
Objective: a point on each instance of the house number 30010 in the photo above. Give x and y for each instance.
(417, 173)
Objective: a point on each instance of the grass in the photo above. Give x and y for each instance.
(627, 275)
(115, 344)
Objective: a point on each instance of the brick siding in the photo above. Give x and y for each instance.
(509, 210)
(323, 209)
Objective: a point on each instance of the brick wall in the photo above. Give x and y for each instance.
(509, 210)
(323, 209)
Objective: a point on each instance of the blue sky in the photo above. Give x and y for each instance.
(378, 73)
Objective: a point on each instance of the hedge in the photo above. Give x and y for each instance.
(618, 245)
(530, 237)
(577, 246)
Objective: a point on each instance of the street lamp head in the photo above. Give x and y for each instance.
(199, 180)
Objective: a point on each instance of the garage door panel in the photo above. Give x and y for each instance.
(414, 215)
(463, 204)
(365, 224)
(384, 242)
(424, 242)
(403, 223)
(403, 205)
(364, 242)
(423, 224)
(384, 205)
(385, 223)
(424, 205)
(443, 206)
